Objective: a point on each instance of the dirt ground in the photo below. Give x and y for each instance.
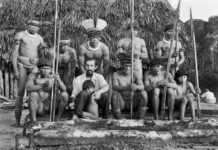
(8, 132)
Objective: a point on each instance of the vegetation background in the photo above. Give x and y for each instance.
(151, 15)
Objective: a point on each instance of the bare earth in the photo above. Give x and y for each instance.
(8, 132)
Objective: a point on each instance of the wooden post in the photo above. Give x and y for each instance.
(196, 65)
(132, 54)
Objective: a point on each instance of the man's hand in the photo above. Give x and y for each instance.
(16, 74)
(198, 90)
(57, 77)
(162, 83)
(96, 95)
(133, 87)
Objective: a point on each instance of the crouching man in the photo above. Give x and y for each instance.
(122, 91)
(39, 86)
(83, 98)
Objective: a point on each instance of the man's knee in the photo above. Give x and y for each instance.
(64, 97)
(33, 96)
(156, 91)
(170, 92)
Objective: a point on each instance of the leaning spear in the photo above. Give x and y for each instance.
(196, 65)
(169, 60)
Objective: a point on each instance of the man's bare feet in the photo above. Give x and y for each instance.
(76, 118)
(17, 125)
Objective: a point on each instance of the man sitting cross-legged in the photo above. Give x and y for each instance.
(154, 81)
(122, 91)
(82, 98)
(39, 86)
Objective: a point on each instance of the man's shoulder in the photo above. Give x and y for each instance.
(98, 76)
(103, 46)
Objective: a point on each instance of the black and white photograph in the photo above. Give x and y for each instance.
(108, 74)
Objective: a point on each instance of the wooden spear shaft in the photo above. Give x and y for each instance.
(132, 54)
(169, 61)
(53, 65)
(196, 65)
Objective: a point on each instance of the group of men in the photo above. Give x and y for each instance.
(32, 64)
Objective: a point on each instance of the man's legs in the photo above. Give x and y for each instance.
(171, 102)
(142, 99)
(35, 105)
(156, 102)
(81, 102)
(103, 103)
(21, 88)
(61, 104)
(184, 102)
(118, 104)
(190, 98)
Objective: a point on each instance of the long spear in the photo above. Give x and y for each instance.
(53, 69)
(169, 59)
(196, 65)
(132, 53)
(56, 57)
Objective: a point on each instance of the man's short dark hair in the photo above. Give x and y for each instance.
(44, 62)
(91, 59)
(88, 84)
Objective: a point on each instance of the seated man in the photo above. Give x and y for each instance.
(154, 82)
(91, 108)
(82, 97)
(39, 86)
(122, 91)
(184, 93)
(208, 97)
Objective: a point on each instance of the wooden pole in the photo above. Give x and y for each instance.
(199, 115)
(53, 69)
(132, 54)
(169, 61)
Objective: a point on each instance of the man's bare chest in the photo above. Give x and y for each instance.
(97, 54)
(30, 41)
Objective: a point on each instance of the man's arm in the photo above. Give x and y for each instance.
(75, 89)
(120, 46)
(147, 82)
(106, 60)
(144, 51)
(15, 53)
(104, 86)
(73, 54)
(139, 83)
(81, 58)
(30, 86)
(181, 57)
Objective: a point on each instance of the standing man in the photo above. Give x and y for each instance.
(140, 50)
(81, 97)
(122, 91)
(94, 48)
(24, 60)
(154, 82)
(162, 50)
(67, 63)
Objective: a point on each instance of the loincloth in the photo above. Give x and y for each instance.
(29, 63)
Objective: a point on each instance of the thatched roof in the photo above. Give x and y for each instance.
(152, 16)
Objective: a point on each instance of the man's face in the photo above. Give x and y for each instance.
(182, 79)
(156, 68)
(63, 48)
(45, 71)
(90, 67)
(169, 33)
(127, 68)
(94, 40)
(33, 29)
